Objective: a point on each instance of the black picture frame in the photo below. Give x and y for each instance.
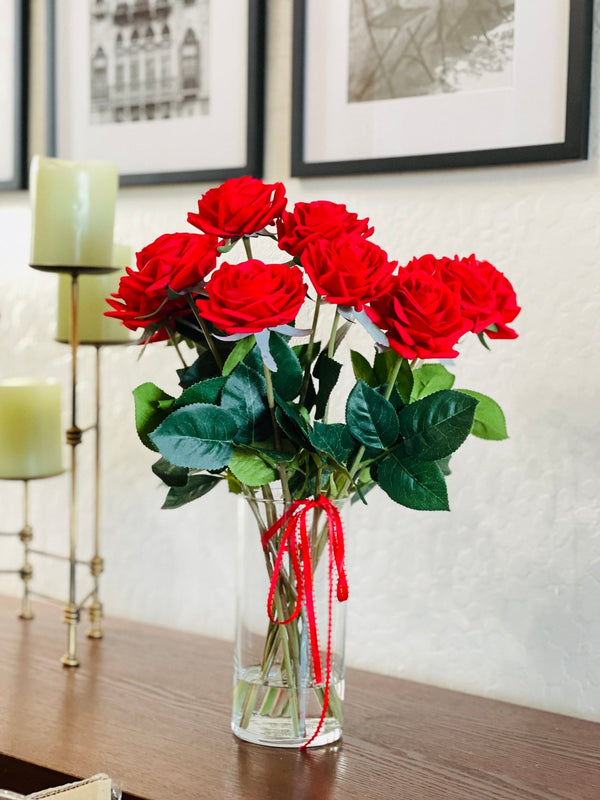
(249, 125)
(576, 113)
(14, 112)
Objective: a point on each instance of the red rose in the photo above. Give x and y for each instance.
(179, 261)
(348, 271)
(421, 317)
(318, 220)
(252, 296)
(487, 296)
(138, 307)
(239, 207)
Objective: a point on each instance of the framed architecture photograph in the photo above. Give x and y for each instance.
(170, 90)
(391, 85)
(13, 94)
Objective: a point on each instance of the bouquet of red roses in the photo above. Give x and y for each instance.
(256, 397)
(254, 405)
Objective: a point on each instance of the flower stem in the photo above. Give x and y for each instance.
(173, 341)
(247, 246)
(206, 332)
(334, 326)
(309, 350)
(271, 403)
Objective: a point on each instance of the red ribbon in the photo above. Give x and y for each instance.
(296, 541)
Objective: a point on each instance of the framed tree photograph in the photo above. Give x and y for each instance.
(392, 85)
(170, 90)
(13, 93)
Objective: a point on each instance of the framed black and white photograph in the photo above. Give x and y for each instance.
(170, 90)
(13, 94)
(391, 85)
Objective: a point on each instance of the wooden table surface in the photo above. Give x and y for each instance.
(150, 707)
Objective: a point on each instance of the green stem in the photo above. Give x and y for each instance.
(247, 246)
(309, 350)
(280, 466)
(334, 326)
(206, 332)
(173, 341)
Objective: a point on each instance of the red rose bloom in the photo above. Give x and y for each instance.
(138, 307)
(179, 261)
(239, 207)
(487, 296)
(252, 296)
(421, 317)
(318, 220)
(348, 271)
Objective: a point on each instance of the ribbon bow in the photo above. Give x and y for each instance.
(296, 540)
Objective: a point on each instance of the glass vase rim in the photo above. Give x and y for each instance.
(279, 500)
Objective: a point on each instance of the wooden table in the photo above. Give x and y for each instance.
(150, 707)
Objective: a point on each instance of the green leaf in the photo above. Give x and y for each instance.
(430, 378)
(196, 486)
(249, 468)
(152, 406)
(303, 351)
(405, 381)
(327, 372)
(244, 397)
(413, 484)
(291, 422)
(384, 364)
(489, 422)
(170, 475)
(238, 354)
(288, 378)
(371, 418)
(202, 392)
(199, 436)
(363, 371)
(272, 457)
(334, 439)
(437, 425)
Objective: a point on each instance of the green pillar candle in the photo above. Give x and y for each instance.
(73, 212)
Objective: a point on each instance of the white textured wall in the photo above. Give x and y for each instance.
(500, 597)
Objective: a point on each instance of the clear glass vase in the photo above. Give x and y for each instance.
(288, 678)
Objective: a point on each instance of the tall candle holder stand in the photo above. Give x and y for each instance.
(72, 609)
(25, 572)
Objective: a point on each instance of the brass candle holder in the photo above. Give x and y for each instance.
(25, 572)
(72, 609)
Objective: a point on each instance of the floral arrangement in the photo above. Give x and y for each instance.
(257, 395)
(254, 405)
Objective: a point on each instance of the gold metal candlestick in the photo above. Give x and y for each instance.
(74, 436)
(26, 570)
(96, 563)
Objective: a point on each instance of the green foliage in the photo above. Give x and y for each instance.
(371, 419)
(489, 421)
(415, 484)
(199, 436)
(434, 427)
(239, 352)
(196, 486)
(399, 436)
(249, 468)
(243, 397)
(334, 440)
(430, 378)
(327, 372)
(288, 378)
(152, 406)
(169, 474)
